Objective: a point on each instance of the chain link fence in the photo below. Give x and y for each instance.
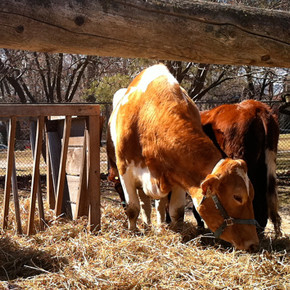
(24, 155)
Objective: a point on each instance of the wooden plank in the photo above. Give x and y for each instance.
(73, 186)
(82, 205)
(35, 177)
(10, 158)
(94, 172)
(49, 181)
(35, 110)
(16, 198)
(54, 142)
(62, 173)
(76, 141)
(33, 130)
(74, 159)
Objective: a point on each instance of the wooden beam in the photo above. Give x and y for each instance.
(35, 176)
(195, 31)
(35, 110)
(10, 160)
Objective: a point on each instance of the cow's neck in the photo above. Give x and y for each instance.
(194, 166)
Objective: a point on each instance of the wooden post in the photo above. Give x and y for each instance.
(35, 177)
(61, 176)
(16, 198)
(10, 158)
(49, 181)
(39, 193)
(94, 172)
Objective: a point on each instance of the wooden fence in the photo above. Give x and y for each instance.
(89, 181)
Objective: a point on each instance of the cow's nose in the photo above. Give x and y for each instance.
(252, 246)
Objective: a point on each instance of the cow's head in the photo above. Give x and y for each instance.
(227, 205)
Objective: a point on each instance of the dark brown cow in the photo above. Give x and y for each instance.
(158, 146)
(249, 131)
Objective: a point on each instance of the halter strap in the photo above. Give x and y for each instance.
(228, 221)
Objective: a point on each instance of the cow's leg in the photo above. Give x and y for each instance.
(176, 207)
(161, 206)
(145, 203)
(132, 200)
(272, 194)
(200, 223)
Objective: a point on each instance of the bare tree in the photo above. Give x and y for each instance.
(41, 77)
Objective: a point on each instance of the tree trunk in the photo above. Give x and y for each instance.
(181, 30)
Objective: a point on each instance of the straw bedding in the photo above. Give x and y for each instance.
(66, 256)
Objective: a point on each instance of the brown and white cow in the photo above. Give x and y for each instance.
(156, 138)
(250, 131)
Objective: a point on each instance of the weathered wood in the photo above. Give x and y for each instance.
(62, 173)
(73, 182)
(82, 205)
(33, 132)
(16, 198)
(74, 158)
(35, 110)
(93, 137)
(76, 141)
(10, 159)
(35, 176)
(55, 129)
(49, 180)
(202, 32)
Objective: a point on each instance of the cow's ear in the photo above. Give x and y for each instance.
(208, 184)
(242, 163)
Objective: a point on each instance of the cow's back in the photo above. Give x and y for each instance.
(160, 121)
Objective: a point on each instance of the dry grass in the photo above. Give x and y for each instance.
(66, 256)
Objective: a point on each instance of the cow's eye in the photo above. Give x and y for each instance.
(238, 198)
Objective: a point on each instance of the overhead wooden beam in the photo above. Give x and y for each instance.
(202, 32)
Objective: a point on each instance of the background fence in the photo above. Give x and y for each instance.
(24, 159)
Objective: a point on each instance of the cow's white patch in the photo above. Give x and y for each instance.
(125, 99)
(195, 202)
(245, 177)
(271, 163)
(144, 177)
(113, 125)
(118, 96)
(217, 166)
(154, 72)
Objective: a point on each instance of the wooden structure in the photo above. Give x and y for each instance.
(201, 32)
(89, 188)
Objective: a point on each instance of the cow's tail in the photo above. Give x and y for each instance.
(272, 135)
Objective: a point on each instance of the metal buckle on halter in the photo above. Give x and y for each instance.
(229, 221)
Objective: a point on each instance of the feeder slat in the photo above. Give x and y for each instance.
(62, 173)
(10, 158)
(35, 177)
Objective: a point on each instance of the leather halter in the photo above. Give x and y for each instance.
(228, 221)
